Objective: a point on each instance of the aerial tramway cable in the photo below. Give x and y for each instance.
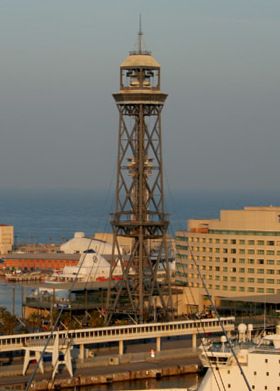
(56, 324)
(219, 319)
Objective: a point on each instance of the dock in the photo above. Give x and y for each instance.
(107, 369)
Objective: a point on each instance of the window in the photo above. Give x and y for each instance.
(270, 261)
(251, 261)
(225, 278)
(260, 280)
(251, 289)
(250, 279)
(225, 250)
(233, 279)
(241, 279)
(225, 269)
(233, 288)
(217, 240)
(260, 290)
(242, 289)
(242, 251)
(260, 261)
(270, 290)
(233, 241)
(233, 269)
(251, 251)
(241, 270)
(225, 241)
(260, 242)
(225, 260)
(261, 252)
(270, 280)
(270, 242)
(217, 250)
(241, 260)
(233, 251)
(251, 242)
(270, 271)
(270, 252)
(260, 271)
(217, 268)
(251, 270)
(241, 241)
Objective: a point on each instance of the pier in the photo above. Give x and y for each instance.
(57, 342)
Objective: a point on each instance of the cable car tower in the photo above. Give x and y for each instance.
(144, 292)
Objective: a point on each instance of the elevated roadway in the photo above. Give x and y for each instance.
(120, 334)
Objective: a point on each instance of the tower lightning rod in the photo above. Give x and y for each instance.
(140, 36)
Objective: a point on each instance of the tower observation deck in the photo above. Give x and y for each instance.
(144, 292)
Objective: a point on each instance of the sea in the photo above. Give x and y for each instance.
(53, 216)
(45, 216)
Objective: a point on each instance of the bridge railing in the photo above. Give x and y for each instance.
(117, 333)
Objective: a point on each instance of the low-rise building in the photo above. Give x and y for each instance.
(6, 238)
(236, 255)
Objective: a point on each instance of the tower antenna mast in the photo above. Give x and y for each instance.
(140, 36)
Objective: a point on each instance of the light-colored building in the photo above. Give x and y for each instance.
(6, 238)
(237, 254)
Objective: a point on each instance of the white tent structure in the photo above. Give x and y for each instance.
(80, 244)
(91, 267)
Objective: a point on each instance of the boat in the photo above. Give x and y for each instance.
(245, 363)
(18, 276)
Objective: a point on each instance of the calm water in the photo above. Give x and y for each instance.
(53, 216)
(183, 381)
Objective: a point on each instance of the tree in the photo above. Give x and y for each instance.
(8, 322)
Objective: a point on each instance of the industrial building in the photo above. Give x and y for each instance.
(236, 255)
(39, 261)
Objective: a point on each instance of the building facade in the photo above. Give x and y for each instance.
(43, 261)
(6, 238)
(236, 255)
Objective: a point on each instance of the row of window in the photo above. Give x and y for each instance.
(234, 288)
(250, 242)
(228, 250)
(249, 261)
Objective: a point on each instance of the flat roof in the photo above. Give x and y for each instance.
(57, 256)
(270, 299)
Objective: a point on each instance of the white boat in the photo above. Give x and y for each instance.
(245, 364)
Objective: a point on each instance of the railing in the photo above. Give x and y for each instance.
(118, 333)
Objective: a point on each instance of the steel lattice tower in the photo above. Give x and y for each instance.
(139, 205)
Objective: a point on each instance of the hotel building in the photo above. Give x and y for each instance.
(237, 254)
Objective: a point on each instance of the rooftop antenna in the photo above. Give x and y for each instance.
(140, 36)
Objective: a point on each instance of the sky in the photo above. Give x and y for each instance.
(59, 66)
